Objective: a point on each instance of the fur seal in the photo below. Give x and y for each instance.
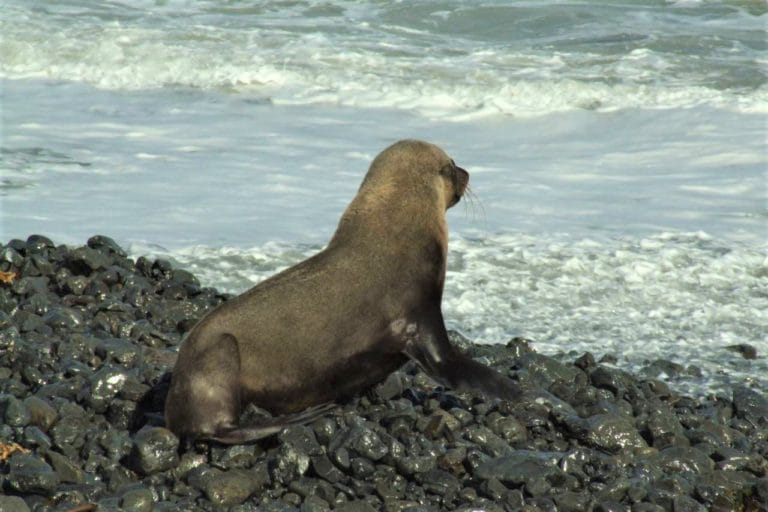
(340, 321)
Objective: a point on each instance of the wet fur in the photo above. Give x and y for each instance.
(340, 321)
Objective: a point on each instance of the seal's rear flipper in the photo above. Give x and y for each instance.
(269, 427)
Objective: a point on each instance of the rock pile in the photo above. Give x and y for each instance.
(88, 337)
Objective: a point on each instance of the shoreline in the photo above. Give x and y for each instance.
(88, 338)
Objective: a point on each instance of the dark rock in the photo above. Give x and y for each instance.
(154, 449)
(14, 412)
(120, 351)
(519, 468)
(12, 257)
(35, 438)
(106, 245)
(105, 384)
(28, 474)
(677, 459)
(391, 387)
(84, 261)
(491, 443)
(750, 405)
(609, 432)
(355, 506)
(325, 469)
(63, 318)
(75, 285)
(663, 368)
(137, 499)
(65, 469)
(88, 337)
(366, 443)
(38, 243)
(232, 487)
(665, 428)
(12, 504)
(746, 350)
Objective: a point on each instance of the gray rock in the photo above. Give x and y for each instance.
(63, 318)
(105, 384)
(665, 428)
(12, 504)
(12, 256)
(154, 449)
(366, 443)
(613, 433)
(518, 468)
(750, 404)
(65, 469)
(491, 443)
(14, 412)
(325, 469)
(355, 506)
(746, 350)
(232, 487)
(28, 474)
(41, 413)
(679, 459)
(137, 499)
(106, 245)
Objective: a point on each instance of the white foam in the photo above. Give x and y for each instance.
(678, 296)
(392, 66)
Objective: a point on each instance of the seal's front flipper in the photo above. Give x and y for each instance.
(269, 427)
(432, 350)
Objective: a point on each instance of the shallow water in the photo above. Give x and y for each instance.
(617, 152)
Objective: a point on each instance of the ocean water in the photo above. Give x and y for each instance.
(617, 152)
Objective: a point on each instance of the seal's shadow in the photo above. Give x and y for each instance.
(150, 407)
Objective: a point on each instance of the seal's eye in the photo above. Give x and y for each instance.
(448, 170)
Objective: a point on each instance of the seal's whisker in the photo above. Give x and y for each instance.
(472, 201)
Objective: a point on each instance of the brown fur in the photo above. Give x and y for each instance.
(336, 323)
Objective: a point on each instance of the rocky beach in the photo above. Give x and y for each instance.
(88, 338)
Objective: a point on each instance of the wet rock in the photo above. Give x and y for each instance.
(85, 260)
(12, 504)
(746, 350)
(232, 487)
(63, 318)
(609, 432)
(12, 257)
(391, 387)
(678, 459)
(105, 245)
(616, 381)
(750, 405)
(65, 469)
(519, 467)
(85, 392)
(154, 449)
(105, 384)
(38, 244)
(665, 428)
(14, 412)
(491, 443)
(28, 474)
(366, 443)
(137, 499)
(325, 469)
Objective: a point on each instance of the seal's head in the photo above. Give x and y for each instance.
(418, 170)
